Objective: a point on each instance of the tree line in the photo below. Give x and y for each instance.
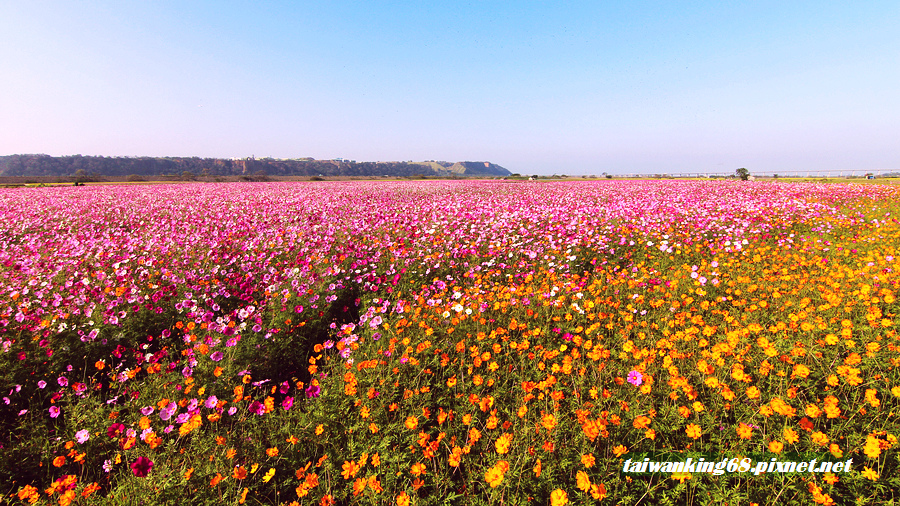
(67, 166)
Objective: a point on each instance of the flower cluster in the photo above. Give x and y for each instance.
(483, 341)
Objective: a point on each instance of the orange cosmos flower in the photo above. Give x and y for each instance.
(782, 408)
(418, 469)
(835, 450)
(591, 429)
(359, 485)
(819, 438)
(693, 431)
(559, 498)
(582, 481)
(588, 460)
(349, 469)
(494, 476)
(790, 435)
(813, 411)
(411, 422)
(641, 422)
(598, 492)
(800, 371)
(745, 431)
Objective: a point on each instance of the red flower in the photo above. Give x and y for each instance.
(115, 430)
(141, 467)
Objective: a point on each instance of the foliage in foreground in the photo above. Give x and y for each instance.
(392, 352)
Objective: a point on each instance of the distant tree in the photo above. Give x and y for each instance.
(134, 178)
(188, 176)
(608, 176)
(742, 173)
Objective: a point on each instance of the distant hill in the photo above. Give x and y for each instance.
(64, 166)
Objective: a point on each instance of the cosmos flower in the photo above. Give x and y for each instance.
(141, 467)
(635, 378)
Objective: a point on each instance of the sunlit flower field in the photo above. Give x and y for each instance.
(450, 342)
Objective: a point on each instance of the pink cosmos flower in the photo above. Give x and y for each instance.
(635, 378)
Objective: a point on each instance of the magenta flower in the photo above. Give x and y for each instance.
(635, 378)
(115, 430)
(82, 436)
(54, 411)
(287, 403)
(313, 391)
(141, 467)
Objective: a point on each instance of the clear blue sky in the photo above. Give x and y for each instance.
(538, 87)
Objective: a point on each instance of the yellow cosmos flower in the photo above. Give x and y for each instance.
(582, 481)
(693, 431)
(790, 435)
(559, 498)
(503, 442)
(870, 474)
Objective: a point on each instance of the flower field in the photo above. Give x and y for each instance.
(450, 342)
